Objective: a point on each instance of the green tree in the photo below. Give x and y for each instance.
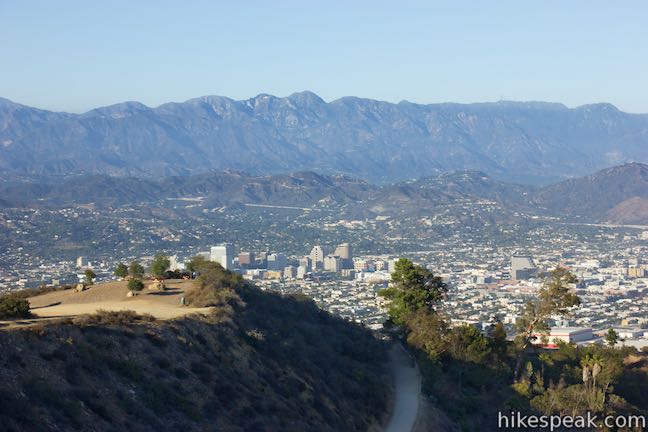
(555, 297)
(412, 288)
(89, 276)
(135, 270)
(121, 270)
(611, 337)
(12, 307)
(159, 266)
(135, 285)
(199, 264)
(427, 332)
(498, 339)
(467, 343)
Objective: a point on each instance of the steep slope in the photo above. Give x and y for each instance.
(262, 363)
(616, 194)
(631, 211)
(378, 141)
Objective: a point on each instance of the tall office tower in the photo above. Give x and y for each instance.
(223, 254)
(332, 263)
(345, 253)
(246, 259)
(173, 262)
(317, 258)
(391, 265)
(290, 272)
(263, 259)
(301, 272)
(522, 267)
(277, 261)
(306, 263)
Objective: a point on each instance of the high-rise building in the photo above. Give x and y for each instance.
(522, 267)
(277, 261)
(317, 258)
(301, 272)
(306, 263)
(174, 264)
(223, 254)
(246, 259)
(263, 259)
(290, 272)
(391, 265)
(332, 263)
(345, 253)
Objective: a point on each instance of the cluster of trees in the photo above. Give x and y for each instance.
(574, 380)
(463, 361)
(134, 272)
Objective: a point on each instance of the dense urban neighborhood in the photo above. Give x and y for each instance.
(489, 280)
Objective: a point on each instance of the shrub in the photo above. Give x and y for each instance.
(12, 307)
(103, 317)
(217, 287)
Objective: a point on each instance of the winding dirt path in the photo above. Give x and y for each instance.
(407, 380)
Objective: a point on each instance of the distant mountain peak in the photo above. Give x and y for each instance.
(307, 97)
(600, 107)
(121, 108)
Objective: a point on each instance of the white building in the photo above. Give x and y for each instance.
(522, 267)
(332, 263)
(277, 261)
(223, 254)
(317, 258)
(564, 334)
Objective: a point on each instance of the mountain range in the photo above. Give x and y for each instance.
(381, 142)
(614, 195)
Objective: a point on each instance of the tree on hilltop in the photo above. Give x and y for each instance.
(135, 270)
(160, 265)
(121, 270)
(89, 276)
(135, 285)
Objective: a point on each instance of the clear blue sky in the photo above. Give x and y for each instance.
(75, 55)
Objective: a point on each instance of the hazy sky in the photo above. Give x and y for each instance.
(75, 55)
